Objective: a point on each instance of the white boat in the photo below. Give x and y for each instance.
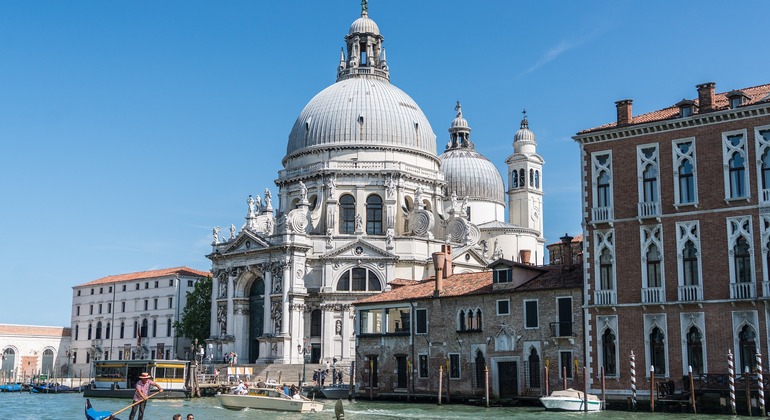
(337, 391)
(269, 399)
(571, 400)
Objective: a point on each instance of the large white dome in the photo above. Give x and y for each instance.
(361, 112)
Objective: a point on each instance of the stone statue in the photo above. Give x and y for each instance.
(269, 226)
(338, 327)
(359, 223)
(418, 197)
(454, 201)
(232, 231)
(268, 200)
(250, 202)
(389, 237)
(258, 204)
(302, 192)
(464, 207)
(222, 319)
(497, 253)
(332, 186)
(389, 189)
(215, 233)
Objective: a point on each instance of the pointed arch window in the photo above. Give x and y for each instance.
(742, 259)
(695, 350)
(737, 176)
(347, 214)
(534, 368)
(461, 320)
(766, 169)
(478, 319)
(650, 184)
(374, 215)
(653, 266)
(605, 270)
(481, 363)
(603, 189)
(690, 264)
(89, 331)
(748, 348)
(658, 351)
(734, 157)
(609, 358)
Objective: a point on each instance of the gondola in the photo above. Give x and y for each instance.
(92, 414)
(54, 389)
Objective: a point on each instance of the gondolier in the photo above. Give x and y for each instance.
(141, 394)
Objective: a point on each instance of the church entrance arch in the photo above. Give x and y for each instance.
(256, 317)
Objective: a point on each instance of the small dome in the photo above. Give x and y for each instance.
(469, 174)
(364, 25)
(524, 134)
(459, 122)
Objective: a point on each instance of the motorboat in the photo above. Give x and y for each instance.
(269, 399)
(337, 391)
(571, 400)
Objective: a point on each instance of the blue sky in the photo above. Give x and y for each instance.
(128, 129)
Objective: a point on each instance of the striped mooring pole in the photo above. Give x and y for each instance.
(760, 385)
(633, 381)
(731, 375)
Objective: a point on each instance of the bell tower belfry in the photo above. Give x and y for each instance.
(525, 180)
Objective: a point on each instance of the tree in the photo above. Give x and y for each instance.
(195, 321)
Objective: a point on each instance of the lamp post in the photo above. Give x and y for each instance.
(302, 351)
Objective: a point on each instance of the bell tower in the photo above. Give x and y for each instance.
(525, 180)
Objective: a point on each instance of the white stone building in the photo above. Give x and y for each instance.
(130, 316)
(30, 350)
(363, 198)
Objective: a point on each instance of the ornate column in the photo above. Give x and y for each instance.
(345, 333)
(215, 292)
(286, 269)
(232, 276)
(266, 327)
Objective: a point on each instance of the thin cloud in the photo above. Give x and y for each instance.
(551, 55)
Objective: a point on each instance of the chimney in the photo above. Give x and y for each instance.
(439, 259)
(448, 267)
(706, 96)
(524, 255)
(566, 250)
(624, 111)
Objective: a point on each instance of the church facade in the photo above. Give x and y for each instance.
(363, 198)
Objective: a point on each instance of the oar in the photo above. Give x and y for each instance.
(126, 408)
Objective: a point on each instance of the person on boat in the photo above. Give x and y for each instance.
(240, 389)
(260, 383)
(190, 417)
(141, 394)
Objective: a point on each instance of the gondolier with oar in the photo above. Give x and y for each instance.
(142, 394)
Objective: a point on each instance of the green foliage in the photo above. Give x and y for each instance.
(195, 321)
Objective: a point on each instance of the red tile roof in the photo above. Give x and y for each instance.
(756, 94)
(576, 238)
(141, 275)
(552, 277)
(33, 330)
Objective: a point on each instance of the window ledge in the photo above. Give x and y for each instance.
(469, 331)
(736, 199)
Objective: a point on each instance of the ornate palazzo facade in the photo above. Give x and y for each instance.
(363, 199)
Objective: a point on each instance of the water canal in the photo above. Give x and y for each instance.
(18, 406)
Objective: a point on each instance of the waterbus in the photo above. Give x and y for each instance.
(117, 378)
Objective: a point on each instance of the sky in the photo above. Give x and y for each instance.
(128, 129)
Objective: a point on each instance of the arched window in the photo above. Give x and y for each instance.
(658, 351)
(461, 320)
(522, 178)
(608, 353)
(481, 363)
(650, 184)
(315, 323)
(695, 350)
(742, 263)
(531, 178)
(748, 348)
(471, 320)
(154, 327)
(686, 182)
(605, 270)
(47, 366)
(653, 266)
(107, 331)
(89, 331)
(515, 179)
(737, 176)
(478, 319)
(603, 189)
(9, 360)
(99, 330)
(122, 329)
(537, 179)
(534, 369)
(145, 325)
(347, 214)
(374, 215)
(690, 264)
(766, 169)
(359, 280)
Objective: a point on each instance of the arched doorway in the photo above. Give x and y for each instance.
(48, 362)
(9, 362)
(256, 317)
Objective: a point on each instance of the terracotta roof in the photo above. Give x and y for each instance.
(29, 330)
(140, 275)
(755, 95)
(552, 277)
(576, 238)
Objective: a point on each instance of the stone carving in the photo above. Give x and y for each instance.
(222, 285)
(331, 185)
(389, 238)
(453, 201)
(418, 197)
(338, 327)
(302, 192)
(497, 253)
(464, 207)
(389, 187)
(390, 219)
(222, 319)
(457, 230)
(277, 314)
(250, 201)
(268, 200)
(359, 223)
(215, 234)
(296, 220)
(421, 222)
(484, 248)
(232, 231)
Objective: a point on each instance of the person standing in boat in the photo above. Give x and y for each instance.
(141, 394)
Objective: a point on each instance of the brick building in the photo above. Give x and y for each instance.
(676, 237)
(512, 319)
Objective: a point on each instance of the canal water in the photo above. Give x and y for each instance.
(22, 406)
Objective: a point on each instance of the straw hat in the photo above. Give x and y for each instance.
(145, 375)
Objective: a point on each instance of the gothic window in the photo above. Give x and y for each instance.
(653, 266)
(603, 189)
(695, 350)
(602, 179)
(748, 348)
(347, 214)
(609, 358)
(315, 323)
(374, 215)
(647, 164)
(684, 162)
(762, 140)
(481, 363)
(735, 156)
(690, 263)
(534, 368)
(605, 269)
(742, 261)
(766, 170)
(658, 351)
(359, 280)
(650, 181)
(461, 320)
(478, 319)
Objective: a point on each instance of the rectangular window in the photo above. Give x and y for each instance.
(454, 365)
(124, 287)
(78, 292)
(77, 310)
(156, 284)
(170, 303)
(92, 291)
(88, 357)
(155, 303)
(109, 290)
(171, 283)
(90, 309)
(530, 314)
(190, 283)
(371, 321)
(146, 304)
(137, 286)
(502, 276)
(147, 285)
(168, 327)
(122, 306)
(422, 365)
(74, 357)
(109, 308)
(504, 307)
(397, 320)
(100, 308)
(565, 361)
(421, 319)
(101, 290)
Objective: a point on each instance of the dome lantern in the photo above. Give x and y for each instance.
(365, 53)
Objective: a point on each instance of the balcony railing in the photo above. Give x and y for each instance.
(606, 297)
(649, 210)
(562, 329)
(690, 293)
(742, 290)
(602, 214)
(653, 295)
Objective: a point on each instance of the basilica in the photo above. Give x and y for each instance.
(363, 199)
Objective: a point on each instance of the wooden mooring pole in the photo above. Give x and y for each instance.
(486, 384)
(652, 389)
(692, 390)
(440, 381)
